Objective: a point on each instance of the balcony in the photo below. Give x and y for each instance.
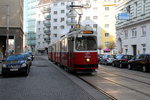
(48, 17)
(46, 10)
(71, 22)
(47, 24)
(47, 32)
(47, 39)
(72, 15)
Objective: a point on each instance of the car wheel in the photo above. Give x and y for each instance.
(105, 63)
(129, 67)
(26, 73)
(120, 65)
(113, 64)
(144, 69)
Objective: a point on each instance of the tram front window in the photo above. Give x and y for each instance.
(86, 43)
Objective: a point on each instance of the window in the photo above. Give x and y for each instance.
(62, 19)
(95, 17)
(106, 25)
(128, 8)
(62, 3)
(144, 48)
(95, 25)
(143, 30)
(55, 20)
(55, 12)
(55, 27)
(135, 9)
(55, 35)
(95, 9)
(62, 11)
(39, 22)
(126, 34)
(62, 26)
(106, 44)
(106, 8)
(134, 32)
(143, 6)
(106, 34)
(95, 1)
(87, 17)
(55, 4)
(39, 29)
(106, 16)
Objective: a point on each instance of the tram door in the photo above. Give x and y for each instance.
(71, 51)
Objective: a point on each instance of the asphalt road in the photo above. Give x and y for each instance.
(46, 81)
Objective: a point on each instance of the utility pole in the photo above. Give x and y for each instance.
(7, 38)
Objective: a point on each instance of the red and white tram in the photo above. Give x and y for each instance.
(76, 51)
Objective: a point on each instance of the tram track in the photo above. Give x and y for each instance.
(124, 86)
(100, 90)
(127, 77)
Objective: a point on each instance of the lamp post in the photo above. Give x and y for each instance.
(7, 29)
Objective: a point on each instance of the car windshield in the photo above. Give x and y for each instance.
(119, 56)
(86, 43)
(15, 57)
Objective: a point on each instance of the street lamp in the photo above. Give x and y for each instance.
(7, 37)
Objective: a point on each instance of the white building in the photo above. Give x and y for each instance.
(52, 21)
(101, 16)
(133, 34)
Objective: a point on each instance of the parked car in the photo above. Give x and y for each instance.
(31, 54)
(16, 63)
(121, 60)
(1, 57)
(100, 57)
(141, 61)
(107, 59)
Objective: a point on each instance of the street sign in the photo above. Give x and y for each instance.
(123, 16)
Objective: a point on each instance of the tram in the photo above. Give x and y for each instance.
(76, 51)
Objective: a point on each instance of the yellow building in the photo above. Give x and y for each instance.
(108, 30)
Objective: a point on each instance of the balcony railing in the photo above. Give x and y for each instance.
(47, 39)
(71, 15)
(47, 24)
(47, 32)
(46, 10)
(71, 22)
(47, 17)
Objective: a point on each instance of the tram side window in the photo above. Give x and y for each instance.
(64, 45)
(70, 44)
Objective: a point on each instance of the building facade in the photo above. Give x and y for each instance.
(11, 26)
(52, 21)
(133, 33)
(101, 16)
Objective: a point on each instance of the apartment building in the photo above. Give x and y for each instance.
(11, 26)
(52, 21)
(101, 16)
(133, 32)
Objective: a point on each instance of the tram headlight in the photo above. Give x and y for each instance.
(87, 60)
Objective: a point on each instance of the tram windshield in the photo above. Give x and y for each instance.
(85, 43)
